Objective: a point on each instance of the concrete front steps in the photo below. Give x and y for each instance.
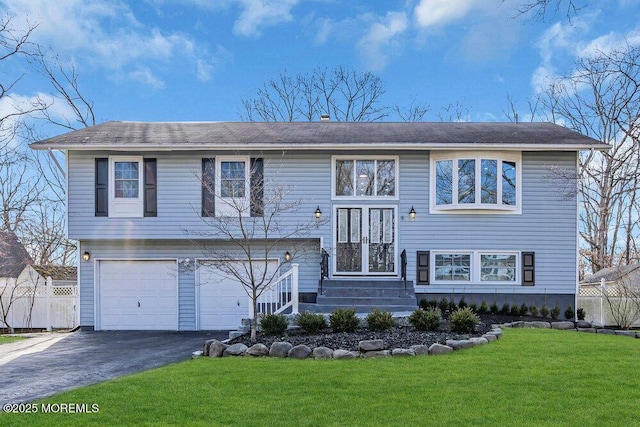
(363, 295)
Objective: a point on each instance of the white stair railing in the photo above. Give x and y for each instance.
(281, 294)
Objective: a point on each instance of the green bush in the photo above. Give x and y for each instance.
(344, 320)
(544, 311)
(581, 314)
(426, 320)
(463, 321)
(484, 308)
(425, 305)
(494, 308)
(523, 309)
(443, 305)
(380, 320)
(506, 308)
(452, 305)
(311, 323)
(515, 310)
(533, 310)
(474, 307)
(568, 313)
(462, 303)
(555, 312)
(273, 324)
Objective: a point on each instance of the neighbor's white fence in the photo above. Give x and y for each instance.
(595, 305)
(54, 306)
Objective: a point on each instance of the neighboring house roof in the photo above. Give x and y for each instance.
(57, 272)
(321, 135)
(612, 274)
(13, 256)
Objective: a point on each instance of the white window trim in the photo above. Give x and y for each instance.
(475, 268)
(126, 207)
(225, 206)
(396, 159)
(477, 207)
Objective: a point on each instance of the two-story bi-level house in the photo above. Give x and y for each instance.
(404, 211)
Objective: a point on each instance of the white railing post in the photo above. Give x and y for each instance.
(294, 288)
(49, 294)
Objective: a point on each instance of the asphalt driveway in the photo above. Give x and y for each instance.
(35, 369)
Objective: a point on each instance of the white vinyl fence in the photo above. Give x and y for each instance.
(53, 306)
(595, 305)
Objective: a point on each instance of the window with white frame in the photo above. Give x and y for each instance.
(367, 177)
(232, 186)
(126, 179)
(488, 181)
(483, 267)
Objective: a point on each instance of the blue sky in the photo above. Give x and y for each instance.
(192, 60)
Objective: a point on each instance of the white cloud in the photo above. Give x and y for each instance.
(429, 13)
(257, 14)
(145, 75)
(382, 40)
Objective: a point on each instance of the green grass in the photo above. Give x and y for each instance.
(5, 339)
(528, 378)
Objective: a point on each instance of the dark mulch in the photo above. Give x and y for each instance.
(399, 337)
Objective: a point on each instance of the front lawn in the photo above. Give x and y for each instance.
(529, 377)
(5, 339)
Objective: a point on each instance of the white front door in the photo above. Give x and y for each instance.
(365, 239)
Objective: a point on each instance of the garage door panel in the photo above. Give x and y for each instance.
(138, 295)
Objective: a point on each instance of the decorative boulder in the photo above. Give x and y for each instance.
(402, 352)
(563, 325)
(376, 353)
(207, 344)
(299, 352)
(489, 338)
(372, 345)
(420, 349)
(238, 349)
(479, 340)
(217, 348)
(280, 349)
(459, 344)
(538, 324)
(583, 324)
(258, 350)
(322, 353)
(344, 354)
(496, 331)
(437, 349)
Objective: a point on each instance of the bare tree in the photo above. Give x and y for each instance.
(623, 301)
(414, 112)
(342, 93)
(257, 227)
(541, 9)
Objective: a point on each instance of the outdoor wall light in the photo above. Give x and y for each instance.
(318, 213)
(287, 256)
(412, 213)
(86, 256)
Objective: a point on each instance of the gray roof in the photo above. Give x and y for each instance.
(13, 256)
(612, 274)
(57, 272)
(320, 135)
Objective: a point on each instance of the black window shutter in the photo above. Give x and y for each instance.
(150, 188)
(208, 187)
(102, 187)
(422, 266)
(528, 268)
(257, 187)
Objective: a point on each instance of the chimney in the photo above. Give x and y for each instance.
(325, 118)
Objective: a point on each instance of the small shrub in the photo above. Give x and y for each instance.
(515, 310)
(544, 311)
(462, 303)
(463, 321)
(443, 305)
(311, 323)
(474, 307)
(494, 308)
(568, 313)
(426, 320)
(555, 312)
(484, 308)
(581, 314)
(344, 320)
(452, 306)
(533, 310)
(506, 308)
(273, 324)
(380, 320)
(523, 309)
(425, 305)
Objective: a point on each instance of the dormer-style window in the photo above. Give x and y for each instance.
(365, 177)
(475, 181)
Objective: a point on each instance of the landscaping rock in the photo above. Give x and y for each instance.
(236, 334)
(459, 344)
(344, 354)
(280, 349)
(235, 350)
(402, 352)
(583, 324)
(497, 332)
(588, 330)
(626, 333)
(372, 345)
(420, 349)
(437, 349)
(376, 353)
(322, 353)
(205, 349)
(217, 348)
(517, 324)
(258, 350)
(563, 325)
(479, 340)
(538, 324)
(606, 331)
(489, 338)
(299, 352)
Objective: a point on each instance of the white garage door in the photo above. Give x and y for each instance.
(139, 295)
(223, 301)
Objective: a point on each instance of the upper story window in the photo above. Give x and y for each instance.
(365, 177)
(125, 197)
(489, 181)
